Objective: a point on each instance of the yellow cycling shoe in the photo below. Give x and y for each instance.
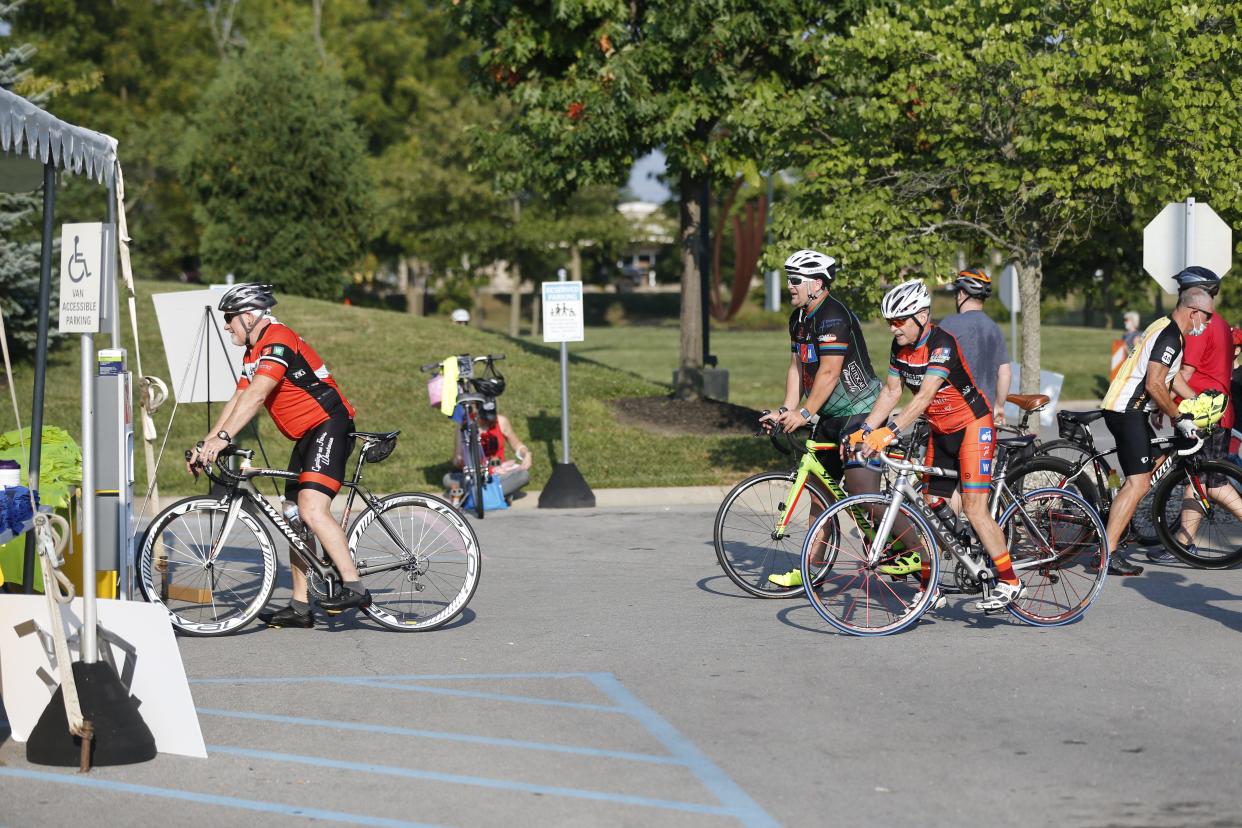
(792, 578)
(906, 564)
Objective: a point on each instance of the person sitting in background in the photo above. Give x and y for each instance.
(1131, 322)
(496, 433)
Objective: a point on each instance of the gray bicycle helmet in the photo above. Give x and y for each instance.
(1200, 277)
(247, 296)
(974, 282)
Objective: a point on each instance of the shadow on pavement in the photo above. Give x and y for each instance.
(1174, 590)
(728, 590)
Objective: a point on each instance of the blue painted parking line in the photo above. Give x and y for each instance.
(734, 802)
(475, 694)
(110, 786)
(448, 737)
(476, 781)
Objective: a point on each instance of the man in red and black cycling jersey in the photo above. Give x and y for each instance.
(283, 373)
(929, 361)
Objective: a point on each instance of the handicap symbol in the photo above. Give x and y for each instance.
(80, 260)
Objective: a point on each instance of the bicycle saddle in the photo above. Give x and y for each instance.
(375, 435)
(1081, 417)
(1029, 402)
(471, 398)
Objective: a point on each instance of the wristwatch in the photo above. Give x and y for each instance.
(806, 415)
(224, 435)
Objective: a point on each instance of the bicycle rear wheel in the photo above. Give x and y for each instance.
(1216, 531)
(210, 585)
(1059, 551)
(748, 545)
(418, 558)
(852, 594)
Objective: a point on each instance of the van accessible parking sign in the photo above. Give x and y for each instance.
(562, 312)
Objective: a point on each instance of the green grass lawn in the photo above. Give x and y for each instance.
(757, 360)
(375, 355)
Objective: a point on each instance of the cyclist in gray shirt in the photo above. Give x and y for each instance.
(981, 340)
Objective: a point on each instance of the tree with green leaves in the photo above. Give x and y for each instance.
(19, 212)
(1017, 126)
(278, 171)
(597, 84)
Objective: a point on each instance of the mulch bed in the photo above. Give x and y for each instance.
(666, 415)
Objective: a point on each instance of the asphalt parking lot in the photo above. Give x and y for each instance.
(607, 673)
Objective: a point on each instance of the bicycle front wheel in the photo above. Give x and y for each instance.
(851, 593)
(1204, 529)
(749, 544)
(1059, 551)
(418, 558)
(210, 585)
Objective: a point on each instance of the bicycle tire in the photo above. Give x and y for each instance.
(478, 466)
(443, 557)
(1049, 471)
(1058, 546)
(1208, 555)
(188, 585)
(744, 527)
(853, 596)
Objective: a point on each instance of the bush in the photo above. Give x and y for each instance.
(278, 172)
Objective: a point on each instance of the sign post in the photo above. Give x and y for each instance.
(563, 313)
(82, 269)
(1009, 298)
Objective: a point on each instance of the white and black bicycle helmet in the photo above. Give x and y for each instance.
(811, 264)
(1200, 277)
(247, 296)
(906, 299)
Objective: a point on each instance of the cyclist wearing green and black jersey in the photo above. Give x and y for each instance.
(829, 368)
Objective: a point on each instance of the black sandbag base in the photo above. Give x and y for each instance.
(121, 737)
(566, 489)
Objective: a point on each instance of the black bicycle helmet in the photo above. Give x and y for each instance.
(492, 386)
(974, 282)
(1200, 277)
(247, 296)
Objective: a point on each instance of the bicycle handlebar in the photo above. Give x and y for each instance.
(434, 366)
(907, 466)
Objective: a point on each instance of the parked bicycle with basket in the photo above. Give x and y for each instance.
(454, 385)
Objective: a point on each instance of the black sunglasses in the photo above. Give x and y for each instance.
(229, 317)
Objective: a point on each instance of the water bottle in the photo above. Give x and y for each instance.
(947, 516)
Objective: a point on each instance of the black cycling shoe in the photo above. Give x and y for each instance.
(1118, 565)
(348, 599)
(288, 617)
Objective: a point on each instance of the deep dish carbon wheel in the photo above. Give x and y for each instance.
(418, 558)
(210, 584)
(475, 469)
(1207, 516)
(748, 545)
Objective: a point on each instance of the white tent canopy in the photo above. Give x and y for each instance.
(31, 138)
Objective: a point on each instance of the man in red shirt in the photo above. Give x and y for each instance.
(1207, 363)
(283, 373)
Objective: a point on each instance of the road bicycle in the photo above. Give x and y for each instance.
(761, 524)
(1055, 538)
(1185, 489)
(210, 561)
(472, 392)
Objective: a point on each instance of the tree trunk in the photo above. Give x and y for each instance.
(689, 384)
(416, 293)
(1031, 275)
(515, 269)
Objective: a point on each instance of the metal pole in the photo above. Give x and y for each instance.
(1013, 316)
(560, 276)
(112, 293)
(90, 651)
(1188, 248)
(40, 378)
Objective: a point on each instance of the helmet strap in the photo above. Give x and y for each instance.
(962, 301)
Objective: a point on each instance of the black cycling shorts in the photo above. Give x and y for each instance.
(1133, 434)
(319, 456)
(836, 430)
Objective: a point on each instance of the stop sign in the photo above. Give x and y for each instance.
(1165, 241)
